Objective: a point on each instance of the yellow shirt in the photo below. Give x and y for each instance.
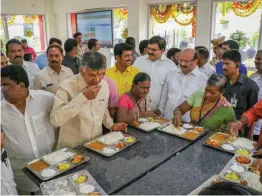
(123, 80)
(80, 119)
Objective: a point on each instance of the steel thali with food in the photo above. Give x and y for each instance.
(149, 124)
(238, 171)
(186, 131)
(56, 163)
(225, 142)
(111, 143)
(79, 183)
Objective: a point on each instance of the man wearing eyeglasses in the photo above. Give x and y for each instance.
(182, 83)
(25, 123)
(157, 65)
(226, 46)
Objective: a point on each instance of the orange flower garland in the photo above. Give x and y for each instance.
(30, 18)
(162, 14)
(245, 9)
(10, 19)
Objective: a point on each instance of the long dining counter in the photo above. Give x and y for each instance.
(181, 174)
(128, 166)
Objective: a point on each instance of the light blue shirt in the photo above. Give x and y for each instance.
(41, 61)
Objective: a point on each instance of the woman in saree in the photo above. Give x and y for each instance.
(136, 103)
(209, 108)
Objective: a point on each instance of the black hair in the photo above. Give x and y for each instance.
(54, 46)
(198, 47)
(76, 34)
(172, 52)
(120, 48)
(142, 45)
(53, 40)
(93, 60)
(160, 41)
(228, 188)
(131, 41)
(91, 43)
(204, 52)
(12, 41)
(233, 45)
(141, 77)
(233, 55)
(16, 73)
(23, 41)
(70, 44)
(218, 81)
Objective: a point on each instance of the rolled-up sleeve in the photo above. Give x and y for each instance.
(254, 113)
(63, 109)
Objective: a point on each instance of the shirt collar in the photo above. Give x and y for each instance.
(194, 72)
(70, 58)
(128, 69)
(52, 72)
(31, 95)
(241, 79)
(163, 58)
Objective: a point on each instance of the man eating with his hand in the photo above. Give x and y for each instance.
(81, 103)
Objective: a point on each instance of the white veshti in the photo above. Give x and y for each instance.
(111, 138)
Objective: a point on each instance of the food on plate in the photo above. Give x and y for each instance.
(244, 143)
(150, 119)
(161, 120)
(149, 126)
(93, 194)
(81, 179)
(38, 165)
(58, 156)
(109, 150)
(244, 182)
(232, 176)
(86, 188)
(243, 160)
(213, 143)
(63, 166)
(191, 135)
(136, 124)
(256, 167)
(130, 139)
(120, 145)
(175, 130)
(111, 138)
(142, 120)
(96, 145)
(237, 168)
(77, 159)
(48, 172)
(217, 180)
(199, 129)
(58, 187)
(187, 126)
(228, 147)
(253, 180)
(242, 152)
(221, 137)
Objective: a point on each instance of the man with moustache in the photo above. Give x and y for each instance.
(51, 76)
(257, 77)
(157, 66)
(15, 53)
(123, 72)
(240, 91)
(81, 104)
(182, 83)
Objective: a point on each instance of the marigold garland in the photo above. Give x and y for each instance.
(122, 13)
(243, 9)
(30, 18)
(185, 22)
(163, 15)
(10, 20)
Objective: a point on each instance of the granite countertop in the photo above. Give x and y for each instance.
(114, 173)
(182, 173)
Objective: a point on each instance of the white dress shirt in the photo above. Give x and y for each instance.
(258, 79)
(31, 70)
(178, 88)
(207, 69)
(8, 186)
(28, 136)
(158, 71)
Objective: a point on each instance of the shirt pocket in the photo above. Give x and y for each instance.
(39, 121)
(241, 102)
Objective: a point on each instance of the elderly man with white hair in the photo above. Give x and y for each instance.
(182, 83)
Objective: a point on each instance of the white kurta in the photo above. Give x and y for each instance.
(8, 186)
(178, 88)
(158, 71)
(207, 69)
(28, 136)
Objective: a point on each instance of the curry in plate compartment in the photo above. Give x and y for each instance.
(213, 143)
(221, 137)
(191, 135)
(96, 145)
(38, 165)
